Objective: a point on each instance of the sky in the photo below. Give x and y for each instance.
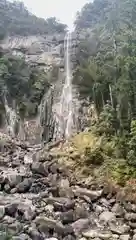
(63, 10)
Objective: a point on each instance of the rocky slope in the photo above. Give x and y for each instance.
(42, 50)
(40, 199)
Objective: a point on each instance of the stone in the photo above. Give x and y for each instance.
(107, 217)
(14, 179)
(67, 217)
(21, 237)
(118, 210)
(39, 168)
(44, 224)
(2, 212)
(81, 210)
(104, 202)
(7, 188)
(25, 185)
(61, 204)
(132, 224)
(134, 237)
(130, 216)
(93, 195)
(98, 209)
(80, 225)
(8, 219)
(11, 209)
(97, 234)
(34, 234)
(28, 212)
(120, 229)
(51, 238)
(130, 207)
(14, 228)
(64, 188)
(125, 237)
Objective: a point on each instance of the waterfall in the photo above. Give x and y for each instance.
(12, 120)
(64, 111)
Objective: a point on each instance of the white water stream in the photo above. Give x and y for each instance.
(64, 113)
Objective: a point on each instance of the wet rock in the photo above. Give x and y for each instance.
(2, 212)
(25, 185)
(39, 168)
(93, 195)
(107, 217)
(80, 225)
(125, 237)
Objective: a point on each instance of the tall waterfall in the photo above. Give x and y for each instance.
(64, 112)
(12, 120)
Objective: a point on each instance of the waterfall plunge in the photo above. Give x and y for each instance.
(64, 113)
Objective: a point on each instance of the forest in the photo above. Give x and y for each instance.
(106, 74)
(15, 19)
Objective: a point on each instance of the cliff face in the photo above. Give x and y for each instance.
(37, 50)
(45, 50)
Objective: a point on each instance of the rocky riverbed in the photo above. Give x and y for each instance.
(39, 200)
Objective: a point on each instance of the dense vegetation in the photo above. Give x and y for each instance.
(106, 71)
(22, 83)
(15, 19)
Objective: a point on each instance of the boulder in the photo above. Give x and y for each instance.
(11, 209)
(39, 168)
(2, 212)
(93, 195)
(118, 210)
(125, 237)
(130, 216)
(80, 225)
(25, 185)
(107, 217)
(14, 179)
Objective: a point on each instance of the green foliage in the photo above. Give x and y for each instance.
(15, 19)
(94, 156)
(23, 83)
(107, 122)
(131, 157)
(122, 172)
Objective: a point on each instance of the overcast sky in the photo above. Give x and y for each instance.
(64, 10)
